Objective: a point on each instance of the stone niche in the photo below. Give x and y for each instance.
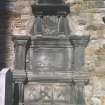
(49, 65)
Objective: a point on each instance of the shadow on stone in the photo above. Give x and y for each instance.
(4, 24)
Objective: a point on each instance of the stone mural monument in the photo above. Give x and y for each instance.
(49, 67)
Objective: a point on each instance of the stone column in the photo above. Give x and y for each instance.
(79, 43)
(18, 93)
(20, 48)
(72, 94)
(79, 89)
(19, 79)
(21, 93)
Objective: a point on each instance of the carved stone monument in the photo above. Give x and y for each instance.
(50, 63)
(5, 87)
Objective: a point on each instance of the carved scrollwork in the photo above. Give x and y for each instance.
(47, 93)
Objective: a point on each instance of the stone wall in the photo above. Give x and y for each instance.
(85, 19)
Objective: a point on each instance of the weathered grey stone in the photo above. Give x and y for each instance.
(20, 45)
(79, 43)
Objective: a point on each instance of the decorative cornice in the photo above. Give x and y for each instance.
(20, 37)
(79, 40)
(77, 76)
(21, 40)
(19, 76)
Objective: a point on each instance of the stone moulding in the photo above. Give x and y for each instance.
(82, 76)
(79, 40)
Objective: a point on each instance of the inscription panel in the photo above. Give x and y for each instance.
(53, 59)
(47, 94)
(49, 54)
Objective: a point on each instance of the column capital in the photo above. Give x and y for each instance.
(81, 82)
(81, 77)
(19, 76)
(77, 41)
(20, 40)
